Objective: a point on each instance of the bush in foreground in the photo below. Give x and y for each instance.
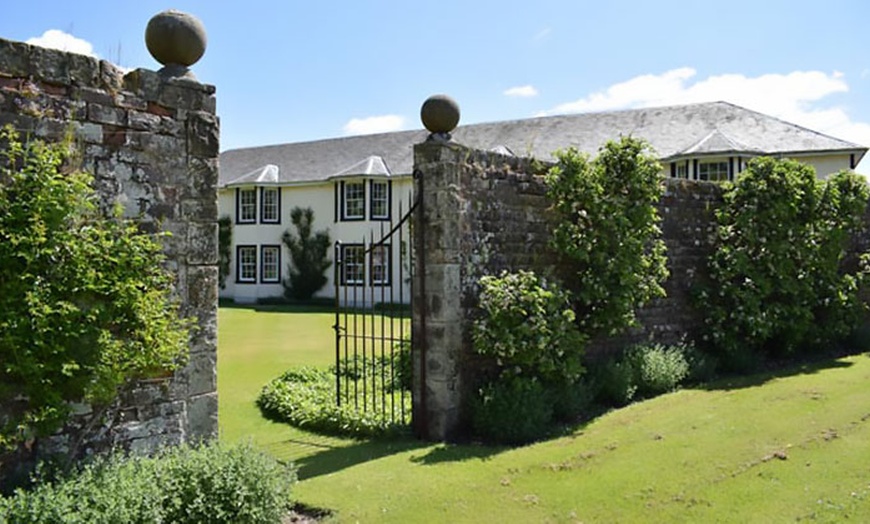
(513, 410)
(210, 483)
(647, 371)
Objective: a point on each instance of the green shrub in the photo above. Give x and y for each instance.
(512, 410)
(181, 485)
(528, 327)
(646, 371)
(703, 366)
(657, 368)
(617, 382)
(609, 231)
(306, 398)
(780, 281)
(393, 369)
(572, 400)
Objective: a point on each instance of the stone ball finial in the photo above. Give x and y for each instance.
(176, 40)
(440, 114)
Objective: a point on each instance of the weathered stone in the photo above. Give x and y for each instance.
(202, 420)
(440, 114)
(202, 369)
(137, 145)
(202, 244)
(173, 37)
(102, 114)
(143, 83)
(143, 121)
(14, 58)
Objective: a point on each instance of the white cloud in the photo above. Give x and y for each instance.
(374, 124)
(521, 92)
(795, 97)
(57, 39)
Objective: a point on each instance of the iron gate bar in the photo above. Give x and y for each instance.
(368, 351)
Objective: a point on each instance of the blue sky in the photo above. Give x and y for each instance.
(290, 71)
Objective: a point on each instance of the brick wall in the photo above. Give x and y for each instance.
(483, 213)
(152, 146)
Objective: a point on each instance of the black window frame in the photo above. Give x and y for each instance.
(343, 188)
(388, 249)
(239, 205)
(277, 249)
(239, 265)
(388, 187)
(344, 264)
(720, 164)
(277, 219)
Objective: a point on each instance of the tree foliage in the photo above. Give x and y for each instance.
(309, 253)
(780, 278)
(609, 231)
(85, 302)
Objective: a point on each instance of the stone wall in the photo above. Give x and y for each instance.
(152, 145)
(482, 213)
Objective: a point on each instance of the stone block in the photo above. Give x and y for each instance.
(203, 135)
(202, 243)
(103, 114)
(202, 417)
(14, 58)
(202, 290)
(201, 371)
(199, 210)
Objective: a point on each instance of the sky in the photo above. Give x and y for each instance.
(289, 71)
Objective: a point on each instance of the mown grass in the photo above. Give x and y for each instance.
(255, 345)
(772, 448)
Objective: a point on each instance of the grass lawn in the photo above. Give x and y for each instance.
(794, 446)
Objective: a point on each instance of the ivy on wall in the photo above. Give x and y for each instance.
(779, 277)
(609, 231)
(85, 300)
(225, 244)
(309, 253)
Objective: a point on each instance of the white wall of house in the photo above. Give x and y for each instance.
(826, 165)
(321, 198)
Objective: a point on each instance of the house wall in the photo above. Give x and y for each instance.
(152, 146)
(826, 165)
(320, 197)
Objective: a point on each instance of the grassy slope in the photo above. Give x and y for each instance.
(768, 449)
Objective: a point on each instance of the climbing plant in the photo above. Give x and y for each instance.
(609, 231)
(309, 253)
(780, 278)
(225, 244)
(85, 300)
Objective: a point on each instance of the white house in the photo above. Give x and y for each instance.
(358, 187)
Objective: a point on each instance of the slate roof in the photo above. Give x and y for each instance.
(675, 131)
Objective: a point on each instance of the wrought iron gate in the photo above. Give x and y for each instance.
(373, 321)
